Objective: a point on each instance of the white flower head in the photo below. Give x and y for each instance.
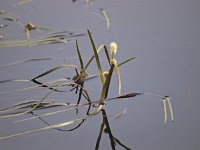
(113, 47)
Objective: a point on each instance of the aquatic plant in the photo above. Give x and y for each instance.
(76, 83)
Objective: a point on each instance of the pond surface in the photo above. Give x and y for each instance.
(163, 36)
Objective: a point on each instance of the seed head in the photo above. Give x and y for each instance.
(113, 47)
(113, 62)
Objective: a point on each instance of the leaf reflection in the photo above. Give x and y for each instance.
(107, 130)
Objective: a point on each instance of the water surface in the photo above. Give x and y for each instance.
(162, 35)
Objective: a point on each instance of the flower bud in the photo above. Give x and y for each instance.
(105, 74)
(113, 62)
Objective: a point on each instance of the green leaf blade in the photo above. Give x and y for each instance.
(79, 56)
(96, 57)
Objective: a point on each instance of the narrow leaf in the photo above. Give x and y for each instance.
(24, 61)
(96, 57)
(126, 61)
(53, 69)
(129, 95)
(42, 129)
(91, 59)
(119, 79)
(165, 110)
(170, 108)
(79, 55)
(104, 13)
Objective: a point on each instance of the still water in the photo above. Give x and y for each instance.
(163, 36)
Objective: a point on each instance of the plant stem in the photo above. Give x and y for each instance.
(105, 89)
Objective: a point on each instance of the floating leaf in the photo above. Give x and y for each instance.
(128, 95)
(104, 13)
(42, 129)
(50, 38)
(170, 108)
(25, 60)
(165, 110)
(118, 78)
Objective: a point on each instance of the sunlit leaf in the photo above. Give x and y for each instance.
(170, 108)
(104, 13)
(119, 79)
(165, 110)
(42, 129)
(96, 57)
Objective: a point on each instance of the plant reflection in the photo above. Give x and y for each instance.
(105, 127)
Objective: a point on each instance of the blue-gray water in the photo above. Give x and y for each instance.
(163, 36)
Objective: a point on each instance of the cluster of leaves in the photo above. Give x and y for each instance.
(76, 83)
(50, 38)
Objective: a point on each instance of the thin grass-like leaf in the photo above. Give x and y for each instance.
(16, 106)
(170, 108)
(29, 110)
(90, 60)
(39, 86)
(104, 13)
(14, 80)
(126, 61)
(30, 104)
(25, 60)
(55, 37)
(96, 57)
(54, 69)
(79, 56)
(119, 79)
(47, 114)
(58, 125)
(45, 97)
(42, 129)
(128, 95)
(165, 110)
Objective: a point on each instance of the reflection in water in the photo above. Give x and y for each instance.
(105, 127)
(75, 83)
